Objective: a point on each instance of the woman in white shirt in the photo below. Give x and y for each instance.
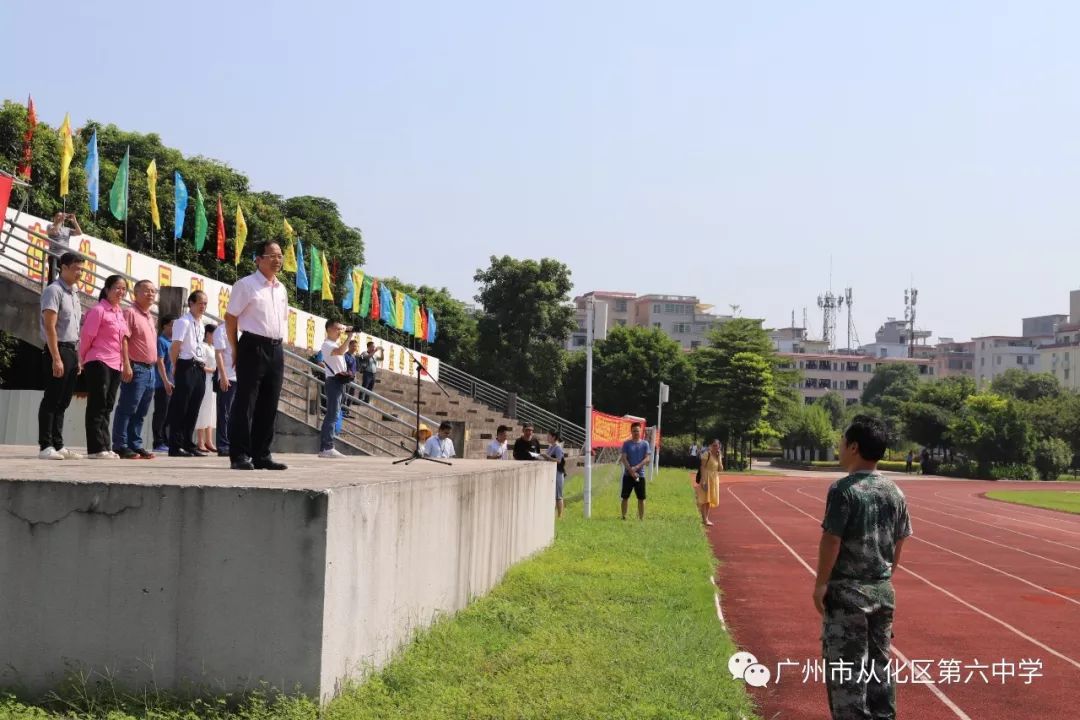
(204, 426)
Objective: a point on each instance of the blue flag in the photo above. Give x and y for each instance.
(346, 301)
(386, 304)
(181, 205)
(408, 320)
(92, 170)
(430, 326)
(301, 272)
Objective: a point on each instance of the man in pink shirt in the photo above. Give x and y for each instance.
(136, 393)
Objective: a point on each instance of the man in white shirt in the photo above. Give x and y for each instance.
(440, 446)
(188, 360)
(259, 307)
(497, 447)
(226, 390)
(337, 379)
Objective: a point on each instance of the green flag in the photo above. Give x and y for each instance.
(118, 196)
(365, 297)
(316, 270)
(200, 220)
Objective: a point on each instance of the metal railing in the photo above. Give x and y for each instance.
(301, 391)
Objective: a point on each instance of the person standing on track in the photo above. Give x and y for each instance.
(707, 488)
(866, 523)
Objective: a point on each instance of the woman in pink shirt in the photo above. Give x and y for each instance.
(103, 358)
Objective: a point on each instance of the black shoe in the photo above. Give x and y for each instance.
(269, 464)
(179, 452)
(127, 454)
(223, 453)
(241, 464)
(145, 454)
(197, 452)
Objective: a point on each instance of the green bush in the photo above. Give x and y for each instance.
(1053, 456)
(957, 470)
(1016, 471)
(897, 465)
(768, 453)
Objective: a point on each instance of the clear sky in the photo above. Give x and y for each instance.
(723, 149)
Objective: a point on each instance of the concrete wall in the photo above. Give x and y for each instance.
(211, 588)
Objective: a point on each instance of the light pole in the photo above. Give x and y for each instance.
(587, 494)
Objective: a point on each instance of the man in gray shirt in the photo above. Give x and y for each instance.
(61, 316)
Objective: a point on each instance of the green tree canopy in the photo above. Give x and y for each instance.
(991, 430)
(834, 405)
(891, 385)
(1031, 387)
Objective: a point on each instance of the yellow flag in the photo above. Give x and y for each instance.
(418, 322)
(289, 264)
(327, 294)
(399, 309)
(151, 183)
(357, 288)
(241, 234)
(66, 153)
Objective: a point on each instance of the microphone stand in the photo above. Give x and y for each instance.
(416, 454)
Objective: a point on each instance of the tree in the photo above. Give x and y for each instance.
(891, 385)
(812, 429)
(524, 326)
(1030, 387)
(991, 430)
(833, 403)
(1052, 457)
(745, 390)
(926, 423)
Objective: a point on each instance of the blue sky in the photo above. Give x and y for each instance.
(723, 149)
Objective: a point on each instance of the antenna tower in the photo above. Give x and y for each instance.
(830, 305)
(851, 333)
(911, 296)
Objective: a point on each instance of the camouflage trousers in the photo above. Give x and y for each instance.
(855, 638)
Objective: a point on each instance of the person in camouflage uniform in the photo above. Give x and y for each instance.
(866, 522)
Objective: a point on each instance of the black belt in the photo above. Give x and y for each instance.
(193, 361)
(142, 364)
(66, 343)
(260, 339)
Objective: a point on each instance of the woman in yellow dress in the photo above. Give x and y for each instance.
(708, 489)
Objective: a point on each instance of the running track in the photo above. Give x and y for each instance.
(981, 582)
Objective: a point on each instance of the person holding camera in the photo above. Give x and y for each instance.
(338, 378)
(369, 364)
(60, 238)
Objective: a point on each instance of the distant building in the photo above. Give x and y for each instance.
(893, 340)
(952, 358)
(845, 374)
(796, 340)
(994, 354)
(683, 318)
(1043, 325)
(1062, 357)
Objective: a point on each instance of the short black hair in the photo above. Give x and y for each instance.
(635, 425)
(502, 428)
(142, 282)
(109, 282)
(445, 425)
(331, 323)
(165, 320)
(194, 296)
(555, 434)
(210, 329)
(70, 258)
(871, 434)
(260, 247)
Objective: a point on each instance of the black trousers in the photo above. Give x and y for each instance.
(260, 366)
(58, 392)
(102, 382)
(184, 404)
(368, 383)
(160, 422)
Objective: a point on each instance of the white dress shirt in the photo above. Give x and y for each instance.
(260, 306)
(439, 448)
(221, 342)
(190, 333)
(497, 448)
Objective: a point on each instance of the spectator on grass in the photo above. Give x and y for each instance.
(707, 487)
(497, 448)
(634, 457)
(556, 454)
(865, 525)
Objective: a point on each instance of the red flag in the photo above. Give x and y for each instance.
(23, 170)
(424, 322)
(375, 299)
(5, 195)
(220, 231)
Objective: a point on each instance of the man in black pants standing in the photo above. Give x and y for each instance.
(259, 307)
(61, 315)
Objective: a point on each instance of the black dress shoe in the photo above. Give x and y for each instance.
(241, 464)
(197, 452)
(179, 452)
(224, 453)
(269, 464)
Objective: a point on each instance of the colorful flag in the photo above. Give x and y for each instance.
(432, 327)
(364, 307)
(407, 315)
(418, 321)
(23, 170)
(327, 280)
(376, 311)
(301, 271)
(67, 152)
(350, 290)
(220, 230)
(93, 169)
(289, 264)
(316, 270)
(399, 310)
(241, 234)
(201, 225)
(386, 305)
(5, 194)
(118, 196)
(151, 184)
(357, 289)
(423, 322)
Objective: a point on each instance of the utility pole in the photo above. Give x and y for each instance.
(587, 495)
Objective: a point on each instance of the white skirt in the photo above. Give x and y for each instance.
(208, 409)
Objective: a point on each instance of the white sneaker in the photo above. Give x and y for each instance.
(69, 454)
(50, 453)
(103, 455)
(331, 453)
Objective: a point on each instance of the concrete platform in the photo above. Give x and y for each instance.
(185, 575)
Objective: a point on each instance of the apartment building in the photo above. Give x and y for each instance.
(796, 340)
(683, 318)
(894, 340)
(845, 374)
(994, 354)
(951, 358)
(1062, 357)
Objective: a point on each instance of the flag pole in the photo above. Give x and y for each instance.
(127, 197)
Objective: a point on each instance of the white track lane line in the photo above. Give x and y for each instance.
(988, 616)
(996, 527)
(973, 508)
(975, 537)
(1006, 573)
(903, 658)
(975, 501)
(716, 599)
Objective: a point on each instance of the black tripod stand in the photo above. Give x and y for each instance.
(416, 454)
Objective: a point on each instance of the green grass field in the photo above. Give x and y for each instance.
(1050, 499)
(615, 620)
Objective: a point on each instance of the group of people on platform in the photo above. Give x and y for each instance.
(179, 364)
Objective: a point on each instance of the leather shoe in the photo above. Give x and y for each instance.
(197, 453)
(241, 464)
(269, 464)
(179, 452)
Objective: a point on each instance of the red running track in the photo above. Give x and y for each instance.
(981, 582)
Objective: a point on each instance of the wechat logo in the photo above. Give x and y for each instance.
(744, 666)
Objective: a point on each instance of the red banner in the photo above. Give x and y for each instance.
(609, 430)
